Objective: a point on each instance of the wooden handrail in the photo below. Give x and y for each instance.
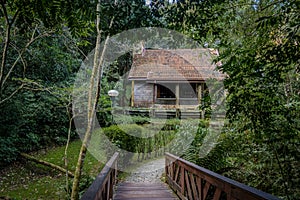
(191, 181)
(102, 187)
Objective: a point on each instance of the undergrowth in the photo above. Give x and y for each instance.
(28, 180)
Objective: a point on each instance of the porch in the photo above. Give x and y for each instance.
(168, 97)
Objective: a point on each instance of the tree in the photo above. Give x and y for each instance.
(260, 54)
(30, 97)
(111, 18)
(271, 81)
(259, 50)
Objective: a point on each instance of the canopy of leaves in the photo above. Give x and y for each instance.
(259, 51)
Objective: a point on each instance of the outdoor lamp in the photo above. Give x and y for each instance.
(113, 94)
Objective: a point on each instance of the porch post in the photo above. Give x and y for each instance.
(200, 90)
(177, 99)
(132, 93)
(199, 93)
(155, 93)
(202, 111)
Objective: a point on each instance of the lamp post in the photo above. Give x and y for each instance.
(112, 94)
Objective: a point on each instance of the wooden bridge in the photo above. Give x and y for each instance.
(184, 180)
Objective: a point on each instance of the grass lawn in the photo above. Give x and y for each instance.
(28, 180)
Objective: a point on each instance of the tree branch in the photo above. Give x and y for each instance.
(32, 40)
(12, 94)
(53, 166)
(68, 141)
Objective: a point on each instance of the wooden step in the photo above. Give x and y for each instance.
(144, 191)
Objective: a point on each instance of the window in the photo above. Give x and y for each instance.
(166, 91)
(187, 90)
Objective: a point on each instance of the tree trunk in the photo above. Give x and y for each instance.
(53, 166)
(95, 81)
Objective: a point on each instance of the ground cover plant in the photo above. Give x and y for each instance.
(28, 180)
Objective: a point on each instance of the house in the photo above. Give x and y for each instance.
(171, 79)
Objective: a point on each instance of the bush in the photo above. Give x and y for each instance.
(127, 119)
(8, 152)
(141, 120)
(125, 137)
(171, 124)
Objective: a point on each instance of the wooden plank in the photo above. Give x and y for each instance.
(140, 188)
(188, 187)
(194, 188)
(217, 194)
(143, 191)
(174, 185)
(108, 187)
(132, 93)
(177, 96)
(182, 180)
(199, 94)
(202, 111)
(177, 173)
(199, 187)
(172, 170)
(135, 194)
(205, 190)
(145, 198)
(241, 194)
(129, 184)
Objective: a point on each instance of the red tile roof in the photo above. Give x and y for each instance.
(174, 65)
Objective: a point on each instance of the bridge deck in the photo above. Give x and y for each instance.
(144, 191)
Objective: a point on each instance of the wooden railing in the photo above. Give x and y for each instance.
(191, 181)
(102, 187)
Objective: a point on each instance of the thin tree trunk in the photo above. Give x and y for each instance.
(6, 43)
(9, 25)
(53, 166)
(66, 161)
(95, 81)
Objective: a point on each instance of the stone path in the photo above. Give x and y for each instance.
(148, 172)
(144, 183)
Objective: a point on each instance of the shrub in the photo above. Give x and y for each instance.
(171, 124)
(8, 151)
(126, 137)
(127, 119)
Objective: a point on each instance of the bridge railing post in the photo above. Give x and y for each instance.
(102, 187)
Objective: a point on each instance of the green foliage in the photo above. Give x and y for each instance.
(38, 115)
(192, 18)
(263, 95)
(259, 49)
(43, 45)
(124, 137)
(104, 110)
(146, 142)
(55, 14)
(28, 180)
(131, 119)
(140, 120)
(258, 43)
(171, 124)
(8, 152)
